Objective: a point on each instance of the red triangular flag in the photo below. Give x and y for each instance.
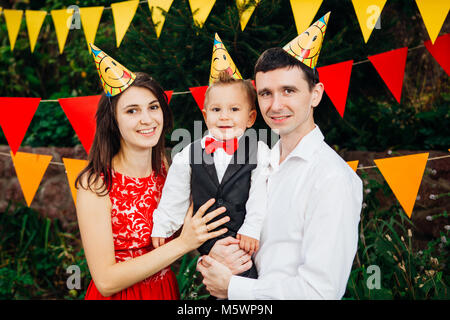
(199, 95)
(81, 114)
(15, 117)
(391, 67)
(169, 95)
(439, 50)
(336, 79)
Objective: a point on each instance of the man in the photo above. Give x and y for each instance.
(310, 234)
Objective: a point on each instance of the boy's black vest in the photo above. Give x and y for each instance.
(232, 192)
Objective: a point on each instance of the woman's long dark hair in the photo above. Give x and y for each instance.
(106, 142)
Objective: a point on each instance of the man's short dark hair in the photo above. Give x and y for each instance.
(277, 58)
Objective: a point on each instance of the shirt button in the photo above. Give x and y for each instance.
(219, 202)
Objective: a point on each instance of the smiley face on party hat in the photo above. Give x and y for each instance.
(221, 61)
(114, 77)
(306, 47)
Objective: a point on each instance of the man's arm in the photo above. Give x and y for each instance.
(329, 246)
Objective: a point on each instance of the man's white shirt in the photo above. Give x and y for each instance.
(310, 234)
(175, 200)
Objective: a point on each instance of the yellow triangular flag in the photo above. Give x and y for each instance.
(158, 17)
(404, 175)
(13, 20)
(30, 169)
(34, 21)
(73, 168)
(90, 19)
(353, 164)
(123, 13)
(62, 19)
(304, 12)
(433, 13)
(200, 10)
(245, 8)
(368, 12)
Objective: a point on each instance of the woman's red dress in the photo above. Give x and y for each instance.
(133, 202)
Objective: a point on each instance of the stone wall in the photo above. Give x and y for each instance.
(53, 198)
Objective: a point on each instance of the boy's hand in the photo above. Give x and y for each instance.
(248, 244)
(158, 241)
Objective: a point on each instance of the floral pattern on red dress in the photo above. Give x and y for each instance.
(133, 202)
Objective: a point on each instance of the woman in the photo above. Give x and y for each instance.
(118, 191)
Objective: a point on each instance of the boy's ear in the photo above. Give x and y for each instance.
(251, 118)
(204, 113)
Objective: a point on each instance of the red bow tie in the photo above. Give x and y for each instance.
(230, 146)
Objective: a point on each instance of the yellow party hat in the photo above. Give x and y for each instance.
(221, 61)
(115, 77)
(306, 47)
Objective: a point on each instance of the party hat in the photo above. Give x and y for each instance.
(115, 78)
(221, 61)
(306, 47)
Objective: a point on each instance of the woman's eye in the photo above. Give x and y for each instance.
(235, 109)
(154, 107)
(131, 111)
(215, 109)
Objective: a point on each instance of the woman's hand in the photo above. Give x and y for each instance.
(196, 229)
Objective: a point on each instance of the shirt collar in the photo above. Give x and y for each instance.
(304, 149)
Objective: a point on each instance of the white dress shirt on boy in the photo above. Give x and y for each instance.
(175, 200)
(310, 233)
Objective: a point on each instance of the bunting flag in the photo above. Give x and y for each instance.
(123, 13)
(200, 10)
(73, 168)
(158, 10)
(90, 19)
(391, 67)
(30, 169)
(169, 94)
(304, 12)
(368, 12)
(353, 164)
(245, 9)
(13, 21)
(81, 114)
(440, 51)
(404, 175)
(34, 20)
(336, 80)
(62, 19)
(199, 95)
(15, 117)
(433, 14)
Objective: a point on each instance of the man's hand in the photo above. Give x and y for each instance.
(216, 277)
(250, 245)
(226, 251)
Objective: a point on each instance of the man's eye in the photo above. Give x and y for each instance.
(235, 109)
(288, 91)
(264, 94)
(215, 109)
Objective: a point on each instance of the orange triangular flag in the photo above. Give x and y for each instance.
(73, 168)
(30, 169)
(404, 175)
(353, 164)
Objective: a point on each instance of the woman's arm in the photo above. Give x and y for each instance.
(94, 220)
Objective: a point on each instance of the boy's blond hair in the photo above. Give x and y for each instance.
(226, 79)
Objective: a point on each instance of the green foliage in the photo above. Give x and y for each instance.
(189, 279)
(34, 256)
(386, 240)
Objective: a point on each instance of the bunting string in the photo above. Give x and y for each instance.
(358, 168)
(189, 92)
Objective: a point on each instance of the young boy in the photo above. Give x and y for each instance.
(226, 165)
